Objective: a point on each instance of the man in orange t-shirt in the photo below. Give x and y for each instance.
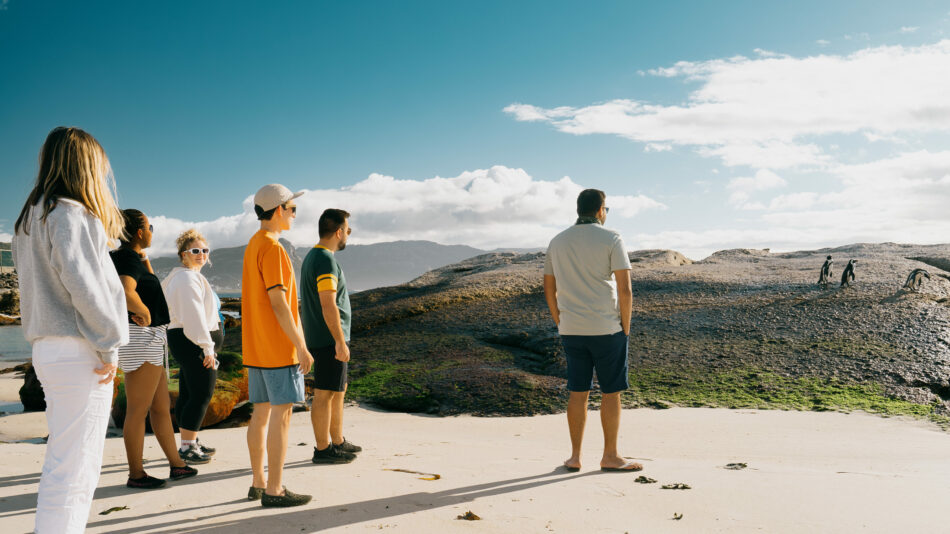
(275, 352)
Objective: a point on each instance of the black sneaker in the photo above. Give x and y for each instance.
(194, 456)
(346, 446)
(207, 451)
(332, 455)
(255, 494)
(288, 499)
(145, 482)
(178, 473)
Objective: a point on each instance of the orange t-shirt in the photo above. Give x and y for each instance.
(266, 265)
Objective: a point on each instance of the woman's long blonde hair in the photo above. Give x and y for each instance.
(73, 165)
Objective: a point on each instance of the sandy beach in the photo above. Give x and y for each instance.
(807, 472)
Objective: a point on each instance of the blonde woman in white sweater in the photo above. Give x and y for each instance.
(74, 315)
(194, 335)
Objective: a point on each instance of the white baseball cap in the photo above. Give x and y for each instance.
(272, 195)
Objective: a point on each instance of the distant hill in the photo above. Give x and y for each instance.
(396, 262)
(365, 266)
(224, 271)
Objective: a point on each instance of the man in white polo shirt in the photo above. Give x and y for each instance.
(592, 313)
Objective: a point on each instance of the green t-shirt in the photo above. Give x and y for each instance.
(321, 272)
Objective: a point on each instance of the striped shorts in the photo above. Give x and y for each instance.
(146, 344)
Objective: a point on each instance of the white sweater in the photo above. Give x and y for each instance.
(68, 283)
(191, 306)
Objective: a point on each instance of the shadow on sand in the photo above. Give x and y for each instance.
(339, 514)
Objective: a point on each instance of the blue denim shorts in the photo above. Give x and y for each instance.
(606, 354)
(283, 385)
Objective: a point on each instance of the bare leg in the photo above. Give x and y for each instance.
(188, 435)
(320, 415)
(336, 417)
(576, 419)
(160, 416)
(610, 420)
(140, 388)
(256, 430)
(277, 432)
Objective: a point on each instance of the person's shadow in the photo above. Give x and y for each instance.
(341, 514)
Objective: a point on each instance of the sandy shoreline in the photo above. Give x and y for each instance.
(817, 472)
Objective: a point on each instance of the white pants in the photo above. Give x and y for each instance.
(77, 413)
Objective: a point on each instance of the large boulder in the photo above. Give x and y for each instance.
(228, 393)
(31, 392)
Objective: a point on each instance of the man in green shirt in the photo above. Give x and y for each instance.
(326, 325)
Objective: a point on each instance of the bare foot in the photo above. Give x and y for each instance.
(616, 463)
(573, 463)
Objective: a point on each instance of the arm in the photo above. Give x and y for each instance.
(185, 294)
(331, 315)
(133, 301)
(290, 327)
(550, 295)
(624, 298)
(77, 248)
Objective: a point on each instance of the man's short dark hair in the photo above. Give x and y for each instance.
(589, 202)
(330, 221)
(263, 215)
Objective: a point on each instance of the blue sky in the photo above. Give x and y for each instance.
(459, 121)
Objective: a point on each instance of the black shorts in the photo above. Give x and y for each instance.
(329, 373)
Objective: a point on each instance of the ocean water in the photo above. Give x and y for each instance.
(13, 347)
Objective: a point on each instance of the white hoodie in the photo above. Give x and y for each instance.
(191, 306)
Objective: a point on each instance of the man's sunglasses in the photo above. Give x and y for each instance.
(293, 209)
(197, 251)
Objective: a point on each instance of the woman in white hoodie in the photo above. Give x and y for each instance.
(74, 314)
(194, 335)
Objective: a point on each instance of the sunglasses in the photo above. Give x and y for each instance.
(151, 228)
(293, 209)
(197, 251)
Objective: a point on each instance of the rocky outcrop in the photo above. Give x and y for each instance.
(31, 392)
(449, 340)
(227, 395)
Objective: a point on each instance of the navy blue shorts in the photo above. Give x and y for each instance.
(607, 354)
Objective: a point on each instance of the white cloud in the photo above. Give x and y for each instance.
(822, 42)
(771, 111)
(764, 179)
(742, 188)
(657, 147)
(909, 29)
(6, 237)
(485, 208)
(901, 199)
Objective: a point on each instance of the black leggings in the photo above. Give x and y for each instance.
(195, 381)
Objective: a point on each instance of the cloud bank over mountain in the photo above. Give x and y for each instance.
(485, 208)
(825, 149)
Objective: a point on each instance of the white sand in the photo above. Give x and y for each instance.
(808, 472)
